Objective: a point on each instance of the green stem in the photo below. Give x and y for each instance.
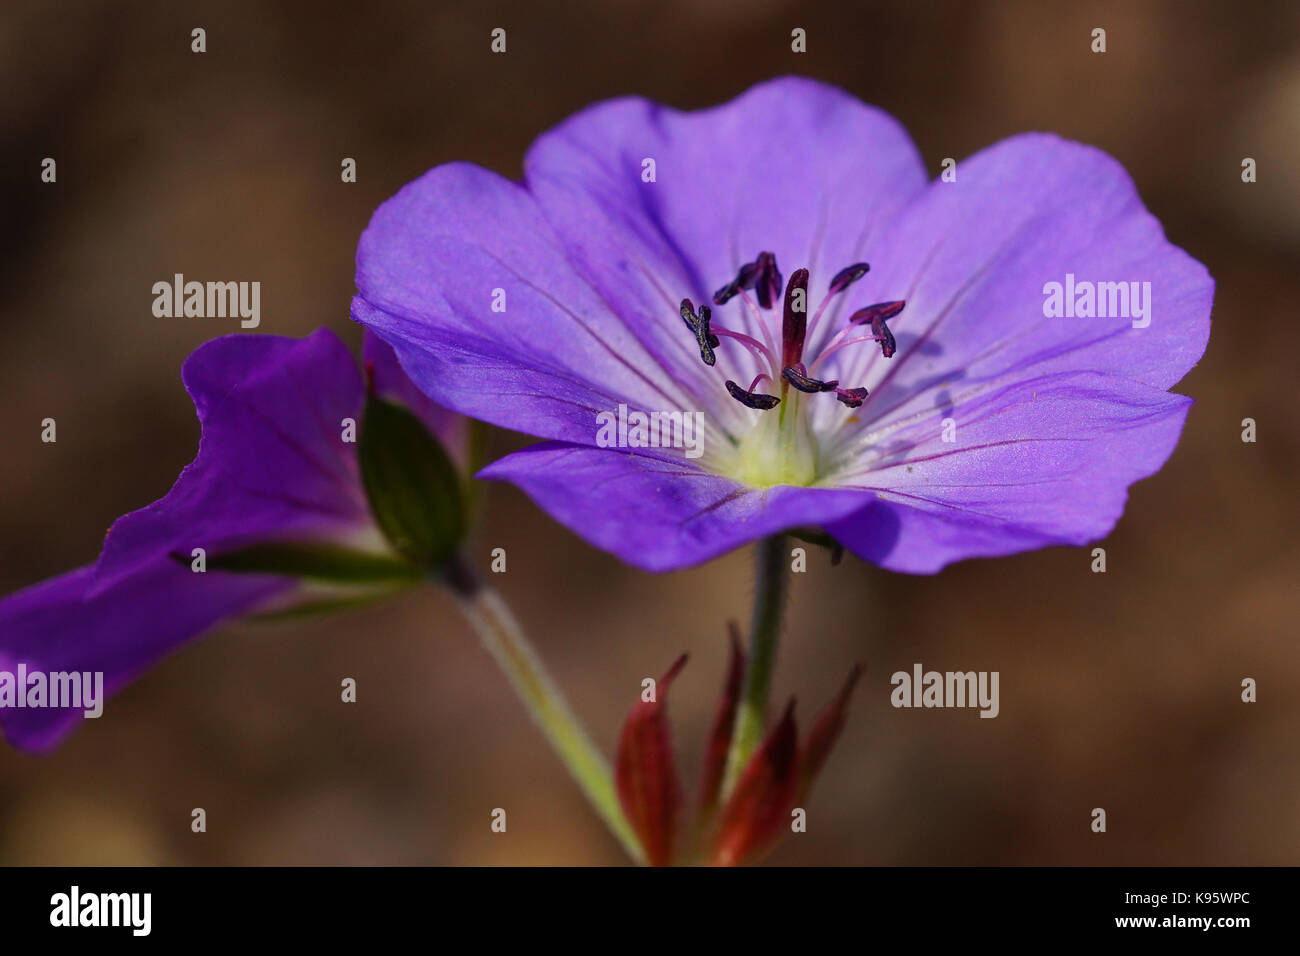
(501, 634)
(769, 607)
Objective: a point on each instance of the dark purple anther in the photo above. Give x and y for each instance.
(847, 276)
(887, 344)
(800, 380)
(752, 399)
(706, 316)
(688, 314)
(794, 322)
(767, 284)
(852, 397)
(745, 279)
(883, 310)
(706, 340)
(875, 315)
(761, 275)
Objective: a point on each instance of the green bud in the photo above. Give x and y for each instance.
(415, 492)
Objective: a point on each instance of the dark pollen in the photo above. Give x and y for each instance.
(752, 399)
(800, 380)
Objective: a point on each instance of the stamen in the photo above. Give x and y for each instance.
(751, 343)
(843, 279)
(847, 276)
(852, 397)
(798, 377)
(769, 342)
(700, 326)
(744, 280)
(885, 310)
(768, 283)
(840, 342)
(752, 399)
(876, 316)
(761, 275)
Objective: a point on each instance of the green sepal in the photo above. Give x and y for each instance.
(414, 489)
(316, 561)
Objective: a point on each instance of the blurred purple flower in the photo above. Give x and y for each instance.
(273, 469)
(631, 215)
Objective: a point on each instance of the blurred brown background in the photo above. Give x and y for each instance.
(1118, 690)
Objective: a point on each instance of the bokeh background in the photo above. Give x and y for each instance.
(1118, 690)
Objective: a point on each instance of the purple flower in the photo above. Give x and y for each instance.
(874, 355)
(276, 483)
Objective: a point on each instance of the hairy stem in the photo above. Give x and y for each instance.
(501, 634)
(769, 609)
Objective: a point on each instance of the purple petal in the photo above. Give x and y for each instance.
(791, 166)
(972, 257)
(428, 269)
(66, 624)
(1035, 463)
(272, 461)
(272, 466)
(655, 514)
(392, 382)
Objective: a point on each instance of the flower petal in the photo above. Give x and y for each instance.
(272, 460)
(655, 514)
(791, 166)
(67, 624)
(272, 467)
(1034, 463)
(440, 254)
(972, 259)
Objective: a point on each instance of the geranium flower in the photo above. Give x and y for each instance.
(275, 500)
(872, 354)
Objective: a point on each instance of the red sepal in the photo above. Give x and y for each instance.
(646, 773)
(759, 807)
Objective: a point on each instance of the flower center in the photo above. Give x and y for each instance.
(781, 448)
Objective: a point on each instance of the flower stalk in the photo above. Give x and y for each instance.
(501, 634)
(771, 589)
